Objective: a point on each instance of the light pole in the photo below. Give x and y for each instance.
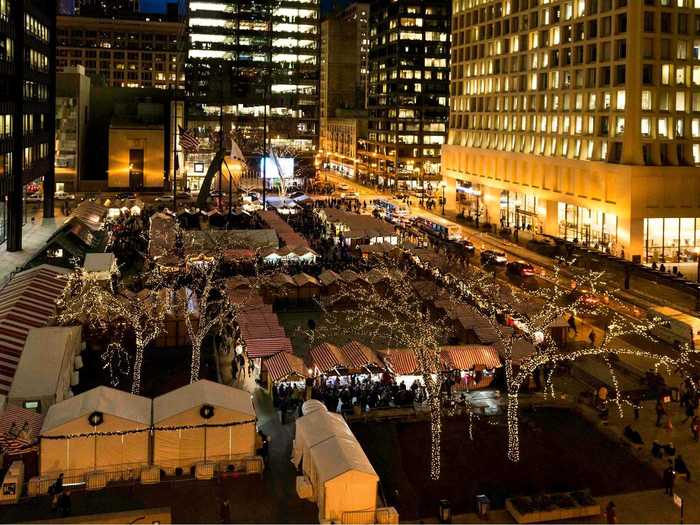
(443, 185)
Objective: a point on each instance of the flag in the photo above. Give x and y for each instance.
(187, 139)
(236, 153)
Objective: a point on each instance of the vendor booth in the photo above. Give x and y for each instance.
(203, 422)
(47, 367)
(329, 282)
(361, 359)
(471, 366)
(327, 359)
(308, 288)
(102, 429)
(285, 367)
(340, 476)
(100, 266)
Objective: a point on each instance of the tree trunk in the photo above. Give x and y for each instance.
(513, 428)
(138, 365)
(435, 437)
(196, 357)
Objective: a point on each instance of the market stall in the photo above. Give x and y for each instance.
(328, 360)
(202, 422)
(308, 288)
(285, 368)
(329, 282)
(47, 367)
(340, 475)
(362, 359)
(471, 366)
(101, 429)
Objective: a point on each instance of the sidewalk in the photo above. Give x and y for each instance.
(34, 237)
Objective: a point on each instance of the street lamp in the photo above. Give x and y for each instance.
(443, 185)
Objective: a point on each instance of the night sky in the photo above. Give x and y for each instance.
(155, 6)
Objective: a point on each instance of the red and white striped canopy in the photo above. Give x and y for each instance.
(284, 366)
(26, 302)
(328, 358)
(360, 356)
(402, 362)
(470, 357)
(260, 348)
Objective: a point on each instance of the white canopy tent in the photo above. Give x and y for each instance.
(72, 437)
(100, 266)
(45, 370)
(342, 477)
(202, 421)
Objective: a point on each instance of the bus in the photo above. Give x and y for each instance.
(391, 210)
(440, 228)
(675, 327)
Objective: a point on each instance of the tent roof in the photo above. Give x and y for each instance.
(467, 357)
(40, 365)
(320, 425)
(284, 365)
(99, 262)
(102, 399)
(360, 356)
(328, 357)
(200, 393)
(336, 456)
(328, 277)
(302, 279)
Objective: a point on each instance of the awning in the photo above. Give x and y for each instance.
(260, 348)
(328, 358)
(469, 357)
(359, 356)
(402, 362)
(26, 302)
(284, 366)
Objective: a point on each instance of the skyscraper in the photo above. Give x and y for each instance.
(106, 8)
(581, 120)
(27, 108)
(408, 91)
(253, 72)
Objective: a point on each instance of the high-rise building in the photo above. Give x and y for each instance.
(344, 49)
(253, 72)
(66, 7)
(27, 108)
(141, 52)
(408, 92)
(106, 8)
(580, 120)
(357, 15)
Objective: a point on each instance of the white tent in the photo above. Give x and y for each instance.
(100, 266)
(342, 477)
(311, 406)
(76, 424)
(43, 376)
(316, 427)
(344, 480)
(229, 435)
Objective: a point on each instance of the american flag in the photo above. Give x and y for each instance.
(187, 139)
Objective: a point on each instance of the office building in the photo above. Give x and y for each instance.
(135, 52)
(72, 113)
(408, 92)
(106, 8)
(357, 15)
(580, 120)
(253, 73)
(27, 107)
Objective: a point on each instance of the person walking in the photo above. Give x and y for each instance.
(572, 324)
(660, 412)
(669, 479)
(611, 512)
(695, 428)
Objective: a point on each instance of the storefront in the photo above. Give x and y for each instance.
(592, 228)
(518, 210)
(671, 239)
(469, 200)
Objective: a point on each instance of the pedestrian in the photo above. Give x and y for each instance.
(572, 324)
(680, 467)
(660, 412)
(695, 428)
(225, 511)
(64, 504)
(591, 337)
(611, 512)
(689, 411)
(669, 478)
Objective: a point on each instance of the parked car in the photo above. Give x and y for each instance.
(343, 187)
(166, 197)
(350, 195)
(493, 258)
(126, 195)
(34, 197)
(63, 196)
(520, 269)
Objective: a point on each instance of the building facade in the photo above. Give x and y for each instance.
(580, 120)
(357, 15)
(27, 106)
(135, 53)
(408, 92)
(253, 74)
(104, 8)
(72, 113)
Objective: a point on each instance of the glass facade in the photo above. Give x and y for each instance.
(591, 228)
(518, 209)
(671, 239)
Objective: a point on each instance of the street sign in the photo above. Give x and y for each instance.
(678, 501)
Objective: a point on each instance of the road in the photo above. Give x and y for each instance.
(544, 274)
